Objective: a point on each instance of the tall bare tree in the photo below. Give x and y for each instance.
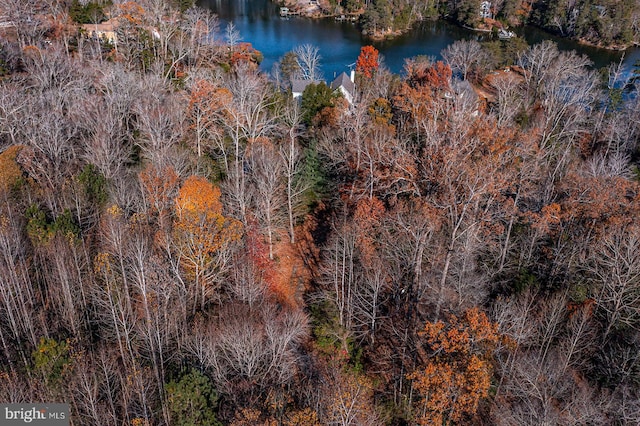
(464, 56)
(266, 168)
(308, 57)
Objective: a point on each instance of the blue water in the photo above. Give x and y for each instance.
(339, 43)
(259, 23)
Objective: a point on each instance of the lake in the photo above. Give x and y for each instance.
(259, 23)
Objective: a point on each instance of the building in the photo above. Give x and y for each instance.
(485, 10)
(342, 84)
(345, 85)
(465, 97)
(298, 86)
(105, 31)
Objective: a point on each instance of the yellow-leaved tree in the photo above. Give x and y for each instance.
(203, 236)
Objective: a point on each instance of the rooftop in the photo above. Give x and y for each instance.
(344, 81)
(298, 86)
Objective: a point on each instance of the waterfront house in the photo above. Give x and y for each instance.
(342, 84)
(298, 86)
(485, 10)
(345, 85)
(465, 97)
(105, 31)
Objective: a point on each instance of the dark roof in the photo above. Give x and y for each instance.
(464, 89)
(344, 81)
(298, 86)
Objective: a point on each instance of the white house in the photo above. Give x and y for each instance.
(345, 85)
(105, 31)
(298, 86)
(485, 9)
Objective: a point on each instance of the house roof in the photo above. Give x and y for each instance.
(463, 88)
(106, 26)
(344, 81)
(298, 86)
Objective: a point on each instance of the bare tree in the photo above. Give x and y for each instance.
(568, 90)
(309, 61)
(464, 56)
(246, 283)
(201, 26)
(339, 275)
(162, 123)
(67, 292)
(16, 389)
(540, 379)
(580, 341)
(615, 272)
(26, 19)
(249, 115)
(109, 145)
(232, 35)
(18, 298)
(626, 406)
(469, 281)
(265, 169)
(537, 60)
(515, 318)
(87, 389)
(612, 166)
(12, 105)
(291, 154)
(53, 153)
(347, 399)
(153, 290)
(509, 98)
(539, 394)
(370, 298)
(250, 349)
(54, 123)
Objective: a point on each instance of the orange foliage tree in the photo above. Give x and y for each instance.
(422, 73)
(423, 95)
(457, 374)
(245, 53)
(368, 61)
(132, 12)
(203, 235)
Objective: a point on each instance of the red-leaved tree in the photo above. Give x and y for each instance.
(368, 61)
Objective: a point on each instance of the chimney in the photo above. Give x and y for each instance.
(353, 75)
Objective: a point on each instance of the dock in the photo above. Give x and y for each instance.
(505, 35)
(341, 18)
(286, 12)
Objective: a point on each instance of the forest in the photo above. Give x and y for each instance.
(182, 243)
(606, 23)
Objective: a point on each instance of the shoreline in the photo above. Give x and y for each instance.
(480, 30)
(312, 9)
(615, 48)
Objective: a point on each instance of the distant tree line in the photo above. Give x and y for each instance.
(603, 23)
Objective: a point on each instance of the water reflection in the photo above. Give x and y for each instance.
(258, 22)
